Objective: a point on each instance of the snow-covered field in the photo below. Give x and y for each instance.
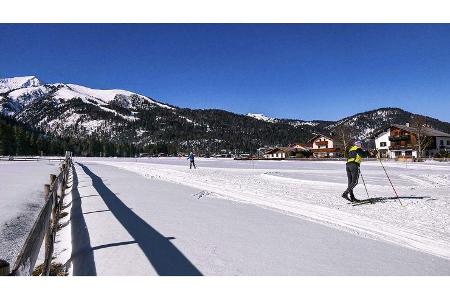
(21, 197)
(155, 216)
(122, 223)
(311, 190)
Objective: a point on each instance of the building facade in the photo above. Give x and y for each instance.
(382, 143)
(323, 146)
(401, 141)
(277, 153)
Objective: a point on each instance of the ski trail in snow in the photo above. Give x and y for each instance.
(249, 189)
(420, 182)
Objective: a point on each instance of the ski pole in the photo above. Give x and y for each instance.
(360, 173)
(398, 198)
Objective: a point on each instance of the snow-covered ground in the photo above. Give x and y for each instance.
(156, 216)
(21, 198)
(175, 221)
(311, 190)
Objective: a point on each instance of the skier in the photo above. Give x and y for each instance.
(352, 166)
(191, 161)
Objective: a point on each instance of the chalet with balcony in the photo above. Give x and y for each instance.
(323, 146)
(401, 141)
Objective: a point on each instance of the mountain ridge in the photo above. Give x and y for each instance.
(115, 115)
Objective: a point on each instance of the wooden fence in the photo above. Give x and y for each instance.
(31, 158)
(44, 228)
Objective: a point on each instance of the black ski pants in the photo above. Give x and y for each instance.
(352, 176)
(192, 163)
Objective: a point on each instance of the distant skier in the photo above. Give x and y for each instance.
(355, 154)
(191, 161)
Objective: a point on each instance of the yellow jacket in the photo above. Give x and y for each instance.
(355, 154)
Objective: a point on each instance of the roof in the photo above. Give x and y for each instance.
(428, 131)
(298, 146)
(378, 132)
(319, 135)
(278, 149)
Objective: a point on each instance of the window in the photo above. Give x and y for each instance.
(442, 142)
(448, 142)
(382, 144)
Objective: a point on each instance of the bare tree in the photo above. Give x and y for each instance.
(419, 123)
(343, 134)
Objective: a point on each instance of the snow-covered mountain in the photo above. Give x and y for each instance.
(9, 84)
(71, 110)
(365, 124)
(292, 122)
(262, 117)
(362, 125)
(55, 107)
(19, 92)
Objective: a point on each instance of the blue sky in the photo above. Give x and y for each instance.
(304, 71)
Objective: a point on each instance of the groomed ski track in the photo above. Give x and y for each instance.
(175, 225)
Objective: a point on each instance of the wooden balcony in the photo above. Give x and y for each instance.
(399, 138)
(401, 147)
(322, 143)
(328, 150)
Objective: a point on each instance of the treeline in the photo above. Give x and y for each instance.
(209, 131)
(18, 139)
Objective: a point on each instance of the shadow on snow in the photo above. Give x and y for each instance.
(161, 253)
(385, 199)
(82, 253)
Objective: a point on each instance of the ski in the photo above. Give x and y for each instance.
(357, 201)
(362, 202)
(368, 201)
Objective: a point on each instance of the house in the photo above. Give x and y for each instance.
(324, 146)
(400, 141)
(278, 153)
(382, 142)
(260, 152)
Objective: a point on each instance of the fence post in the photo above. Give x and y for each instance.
(54, 185)
(61, 191)
(4, 268)
(52, 178)
(64, 172)
(47, 237)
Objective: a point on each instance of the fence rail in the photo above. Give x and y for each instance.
(31, 158)
(44, 228)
